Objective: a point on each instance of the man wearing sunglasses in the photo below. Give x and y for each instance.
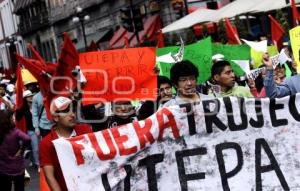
(65, 126)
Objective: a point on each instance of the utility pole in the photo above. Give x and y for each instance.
(136, 32)
(186, 7)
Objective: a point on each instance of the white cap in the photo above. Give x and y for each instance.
(27, 93)
(5, 81)
(59, 103)
(10, 88)
(217, 57)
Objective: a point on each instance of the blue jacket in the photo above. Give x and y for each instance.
(289, 86)
(37, 108)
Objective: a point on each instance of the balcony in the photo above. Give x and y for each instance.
(30, 25)
(64, 11)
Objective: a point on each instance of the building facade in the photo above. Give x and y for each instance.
(43, 22)
(35, 27)
(10, 40)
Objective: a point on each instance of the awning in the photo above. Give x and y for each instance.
(151, 25)
(118, 35)
(105, 35)
(121, 41)
(237, 7)
(198, 16)
(269, 5)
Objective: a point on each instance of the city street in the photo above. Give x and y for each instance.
(34, 180)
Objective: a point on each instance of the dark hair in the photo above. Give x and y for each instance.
(5, 123)
(163, 80)
(3, 85)
(183, 68)
(218, 67)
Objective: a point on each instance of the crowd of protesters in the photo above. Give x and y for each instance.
(181, 88)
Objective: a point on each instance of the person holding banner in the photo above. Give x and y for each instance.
(289, 86)
(65, 127)
(256, 84)
(164, 86)
(223, 75)
(184, 76)
(123, 113)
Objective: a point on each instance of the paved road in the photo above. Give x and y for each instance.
(34, 180)
(34, 184)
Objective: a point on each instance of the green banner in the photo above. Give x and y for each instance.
(199, 53)
(233, 52)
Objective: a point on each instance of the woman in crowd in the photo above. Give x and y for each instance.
(12, 144)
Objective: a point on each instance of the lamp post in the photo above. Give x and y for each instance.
(81, 17)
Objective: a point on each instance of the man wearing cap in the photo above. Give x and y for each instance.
(10, 89)
(65, 127)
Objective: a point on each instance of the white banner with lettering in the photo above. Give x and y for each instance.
(224, 144)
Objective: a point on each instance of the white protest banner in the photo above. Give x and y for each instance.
(223, 144)
(253, 74)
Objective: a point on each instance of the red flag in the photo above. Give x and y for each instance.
(8, 73)
(93, 47)
(47, 67)
(62, 82)
(296, 15)
(36, 55)
(126, 42)
(20, 123)
(232, 35)
(36, 69)
(160, 40)
(68, 60)
(277, 32)
(43, 78)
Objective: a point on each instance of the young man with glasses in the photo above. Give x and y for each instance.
(65, 126)
(184, 76)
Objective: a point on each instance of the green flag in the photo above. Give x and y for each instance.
(233, 52)
(199, 53)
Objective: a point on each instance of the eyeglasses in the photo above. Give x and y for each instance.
(165, 89)
(68, 110)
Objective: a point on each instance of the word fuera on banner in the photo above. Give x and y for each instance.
(119, 74)
(204, 146)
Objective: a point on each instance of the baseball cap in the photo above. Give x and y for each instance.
(10, 88)
(27, 93)
(218, 57)
(59, 104)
